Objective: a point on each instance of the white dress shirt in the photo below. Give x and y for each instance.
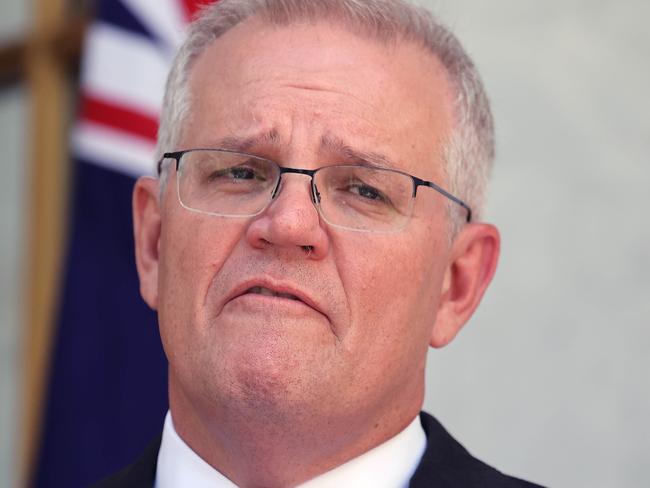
(389, 465)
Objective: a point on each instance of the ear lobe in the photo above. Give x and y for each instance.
(146, 229)
(475, 254)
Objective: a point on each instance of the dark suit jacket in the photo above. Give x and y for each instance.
(445, 464)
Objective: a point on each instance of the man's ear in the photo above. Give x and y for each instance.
(474, 257)
(146, 228)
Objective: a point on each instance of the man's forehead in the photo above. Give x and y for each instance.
(366, 101)
(329, 143)
(251, 35)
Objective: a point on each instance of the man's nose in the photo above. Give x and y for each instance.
(291, 220)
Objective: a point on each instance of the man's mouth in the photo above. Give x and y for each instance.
(261, 290)
(268, 288)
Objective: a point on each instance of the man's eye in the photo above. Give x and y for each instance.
(236, 173)
(367, 192)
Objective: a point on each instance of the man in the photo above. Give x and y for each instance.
(315, 228)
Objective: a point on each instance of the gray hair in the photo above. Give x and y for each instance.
(468, 153)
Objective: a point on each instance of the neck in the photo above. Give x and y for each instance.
(256, 446)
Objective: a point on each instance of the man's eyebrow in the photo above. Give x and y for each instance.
(244, 144)
(331, 143)
(339, 146)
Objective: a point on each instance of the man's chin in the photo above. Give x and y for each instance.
(283, 383)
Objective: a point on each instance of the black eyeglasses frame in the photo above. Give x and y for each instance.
(417, 182)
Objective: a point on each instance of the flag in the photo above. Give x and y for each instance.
(107, 390)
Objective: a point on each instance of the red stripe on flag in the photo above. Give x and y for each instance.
(193, 6)
(119, 117)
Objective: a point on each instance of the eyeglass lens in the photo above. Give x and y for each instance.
(350, 196)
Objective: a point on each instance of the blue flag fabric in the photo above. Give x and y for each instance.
(108, 387)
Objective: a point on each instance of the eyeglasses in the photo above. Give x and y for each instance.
(357, 197)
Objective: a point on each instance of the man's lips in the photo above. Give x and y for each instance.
(261, 290)
(275, 289)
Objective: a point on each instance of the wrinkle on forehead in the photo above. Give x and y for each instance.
(329, 143)
(307, 87)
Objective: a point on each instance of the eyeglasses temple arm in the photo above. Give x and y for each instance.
(442, 191)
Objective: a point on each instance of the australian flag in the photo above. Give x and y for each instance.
(107, 391)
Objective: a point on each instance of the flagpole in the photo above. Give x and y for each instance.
(46, 208)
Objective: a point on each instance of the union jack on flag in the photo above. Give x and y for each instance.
(128, 53)
(107, 391)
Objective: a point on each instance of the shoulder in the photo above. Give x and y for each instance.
(140, 474)
(447, 463)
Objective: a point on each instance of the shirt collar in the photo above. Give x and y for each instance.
(178, 465)
(390, 464)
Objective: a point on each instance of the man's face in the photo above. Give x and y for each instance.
(355, 340)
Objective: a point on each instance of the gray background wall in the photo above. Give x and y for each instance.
(549, 380)
(13, 112)
(12, 240)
